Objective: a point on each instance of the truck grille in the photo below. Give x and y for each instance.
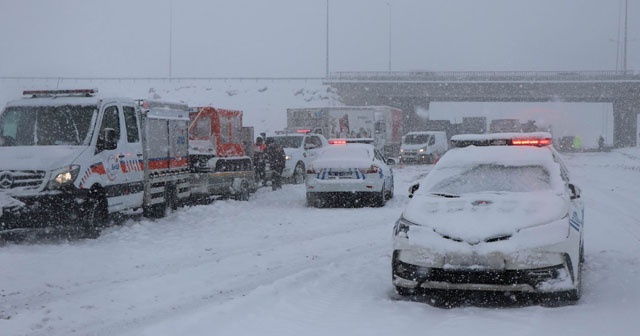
(21, 179)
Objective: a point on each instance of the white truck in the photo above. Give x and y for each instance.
(381, 123)
(423, 146)
(70, 159)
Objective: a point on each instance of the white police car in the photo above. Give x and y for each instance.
(301, 147)
(349, 172)
(498, 212)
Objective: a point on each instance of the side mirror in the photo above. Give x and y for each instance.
(391, 162)
(575, 191)
(413, 188)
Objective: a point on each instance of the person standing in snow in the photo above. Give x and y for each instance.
(276, 156)
(259, 160)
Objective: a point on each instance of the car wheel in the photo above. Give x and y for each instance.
(575, 294)
(390, 191)
(380, 198)
(298, 174)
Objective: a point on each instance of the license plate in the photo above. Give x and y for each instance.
(340, 174)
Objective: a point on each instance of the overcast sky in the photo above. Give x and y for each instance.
(258, 38)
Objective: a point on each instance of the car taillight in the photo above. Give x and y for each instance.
(371, 170)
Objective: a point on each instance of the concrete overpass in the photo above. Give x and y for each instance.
(409, 90)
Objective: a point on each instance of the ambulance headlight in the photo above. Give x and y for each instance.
(64, 176)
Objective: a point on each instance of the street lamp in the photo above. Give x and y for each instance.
(327, 56)
(389, 7)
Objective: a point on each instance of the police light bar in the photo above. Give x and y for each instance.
(538, 139)
(39, 93)
(532, 142)
(303, 131)
(337, 142)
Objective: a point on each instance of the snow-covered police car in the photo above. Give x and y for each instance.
(498, 212)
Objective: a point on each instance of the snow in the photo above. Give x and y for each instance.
(272, 266)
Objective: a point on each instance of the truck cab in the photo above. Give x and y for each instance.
(423, 147)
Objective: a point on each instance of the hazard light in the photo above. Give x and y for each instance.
(40, 93)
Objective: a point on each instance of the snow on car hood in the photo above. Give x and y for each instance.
(38, 157)
(481, 216)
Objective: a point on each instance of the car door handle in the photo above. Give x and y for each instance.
(121, 156)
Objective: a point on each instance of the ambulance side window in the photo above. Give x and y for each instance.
(131, 124)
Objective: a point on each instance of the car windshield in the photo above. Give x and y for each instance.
(288, 141)
(46, 126)
(416, 139)
(495, 178)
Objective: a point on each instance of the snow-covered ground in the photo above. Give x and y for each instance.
(272, 266)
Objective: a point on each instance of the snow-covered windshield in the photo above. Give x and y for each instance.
(495, 178)
(288, 141)
(416, 139)
(46, 125)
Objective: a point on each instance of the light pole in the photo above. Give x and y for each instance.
(327, 42)
(624, 47)
(170, 37)
(389, 7)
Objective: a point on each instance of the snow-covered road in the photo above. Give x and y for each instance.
(272, 266)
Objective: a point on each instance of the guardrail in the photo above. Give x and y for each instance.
(483, 75)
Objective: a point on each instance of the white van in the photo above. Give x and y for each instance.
(423, 147)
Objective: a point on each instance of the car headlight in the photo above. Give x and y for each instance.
(64, 176)
(401, 150)
(287, 157)
(402, 227)
(422, 150)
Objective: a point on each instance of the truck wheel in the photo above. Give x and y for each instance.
(94, 217)
(243, 193)
(299, 174)
(165, 208)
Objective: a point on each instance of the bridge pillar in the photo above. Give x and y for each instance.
(625, 116)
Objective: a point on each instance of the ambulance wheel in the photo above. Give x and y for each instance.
(94, 217)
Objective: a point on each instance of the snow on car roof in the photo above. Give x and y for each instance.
(345, 155)
(497, 136)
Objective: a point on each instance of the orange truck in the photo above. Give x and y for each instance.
(219, 163)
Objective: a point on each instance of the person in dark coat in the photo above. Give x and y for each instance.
(276, 156)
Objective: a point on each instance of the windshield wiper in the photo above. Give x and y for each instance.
(445, 195)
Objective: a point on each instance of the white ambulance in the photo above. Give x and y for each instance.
(70, 158)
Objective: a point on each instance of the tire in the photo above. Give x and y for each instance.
(574, 295)
(299, 174)
(391, 191)
(94, 217)
(165, 208)
(380, 198)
